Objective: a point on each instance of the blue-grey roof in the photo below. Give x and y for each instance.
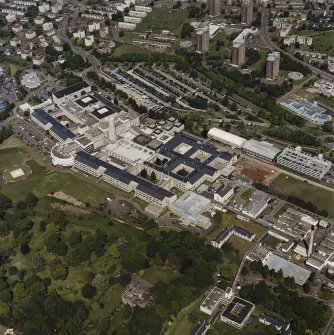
(71, 89)
(42, 116)
(232, 229)
(224, 189)
(177, 159)
(123, 176)
(274, 320)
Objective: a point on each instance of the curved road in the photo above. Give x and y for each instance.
(272, 46)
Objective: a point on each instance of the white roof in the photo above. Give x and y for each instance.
(224, 136)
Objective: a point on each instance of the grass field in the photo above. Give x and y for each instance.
(324, 43)
(321, 198)
(128, 49)
(228, 219)
(325, 100)
(161, 18)
(41, 181)
(156, 273)
(181, 324)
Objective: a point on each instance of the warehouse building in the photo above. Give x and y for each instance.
(226, 137)
(304, 163)
(262, 150)
(289, 269)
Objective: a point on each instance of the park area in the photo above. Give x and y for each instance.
(15, 154)
(163, 19)
(319, 197)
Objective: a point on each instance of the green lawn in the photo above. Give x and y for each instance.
(325, 100)
(253, 327)
(161, 18)
(321, 198)
(229, 219)
(124, 49)
(156, 273)
(41, 181)
(181, 324)
(324, 43)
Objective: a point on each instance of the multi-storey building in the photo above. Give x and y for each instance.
(238, 54)
(272, 66)
(304, 163)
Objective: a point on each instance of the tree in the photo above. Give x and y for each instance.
(19, 291)
(4, 310)
(125, 278)
(38, 263)
(187, 29)
(307, 287)
(153, 176)
(100, 282)
(113, 251)
(327, 126)
(143, 173)
(88, 291)
(59, 272)
(227, 272)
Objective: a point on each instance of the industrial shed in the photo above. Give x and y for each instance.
(226, 137)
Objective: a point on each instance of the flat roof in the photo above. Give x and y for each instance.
(289, 269)
(190, 206)
(212, 298)
(238, 310)
(102, 112)
(71, 89)
(264, 149)
(225, 136)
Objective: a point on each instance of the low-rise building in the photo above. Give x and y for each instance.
(31, 80)
(237, 312)
(304, 163)
(271, 319)
(38, 59)
(223, 193)
(39, 20)
(262, 150)
(30, 34)
(226, 233)
(212, 301)
(47, 26)
(25, 54)
(255, 207)
(89, 40)
(17, 27)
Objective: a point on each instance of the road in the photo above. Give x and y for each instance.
(272, 47)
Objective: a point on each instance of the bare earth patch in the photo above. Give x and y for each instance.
(65, 197)
(256, 171)
(69, 208)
